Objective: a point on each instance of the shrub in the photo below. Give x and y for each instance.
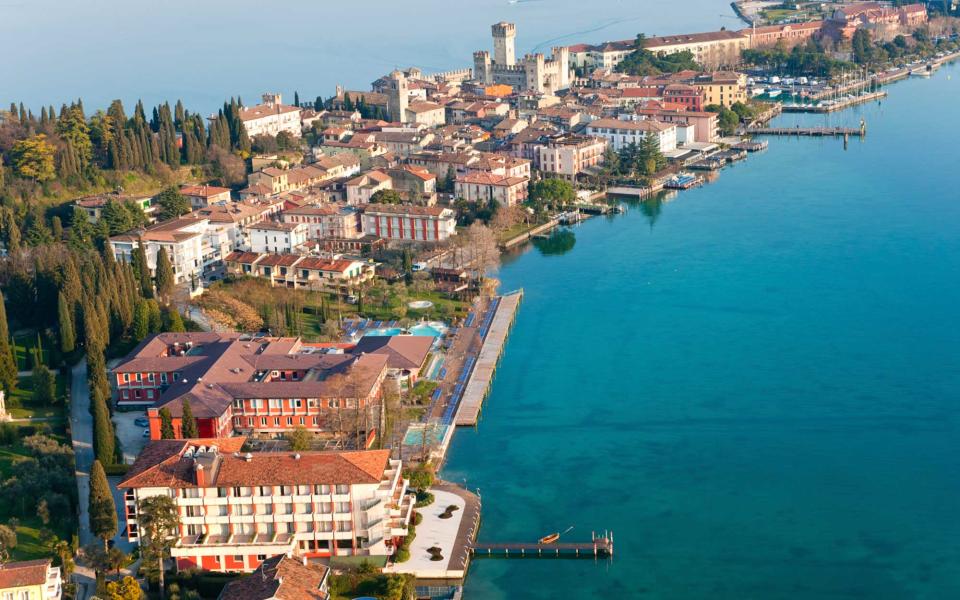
(423, 499)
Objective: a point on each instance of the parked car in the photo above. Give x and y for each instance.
(141, 422)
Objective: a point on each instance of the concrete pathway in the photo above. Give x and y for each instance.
(81, 428)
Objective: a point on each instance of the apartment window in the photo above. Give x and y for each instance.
(275, 403)
(321, 489)
(289, 421)
(343, 489)
(139, 377)
(221, 492)
(163, 377)
(276, 422)
(193, 511)
(256, 403)
(126, 377)
(263, 490)
(298, 403)
(150, 377)
(302, 421)
(238, 403)
(261, 557)
(238, 557)
(263, 421)
(342, 507)
(176, 376)
(238, 492)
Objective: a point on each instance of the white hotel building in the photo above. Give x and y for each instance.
(621, 133)
(271, 117)
(409, 223)
(238, 509)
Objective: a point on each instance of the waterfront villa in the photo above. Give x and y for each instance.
(239, 509)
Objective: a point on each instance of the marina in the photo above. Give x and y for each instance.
(600, 546)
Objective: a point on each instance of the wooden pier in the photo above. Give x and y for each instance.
(811, 131)
(482, 376)
(600, 547)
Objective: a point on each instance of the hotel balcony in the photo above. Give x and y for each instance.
(234, 544)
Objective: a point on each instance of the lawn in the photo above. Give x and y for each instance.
(24, 346)
(27, 409)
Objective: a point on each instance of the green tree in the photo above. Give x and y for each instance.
(68, 336)
(8, 366)
(299, 438)
(552, 192)
(386, 197)
(8, 541)
(32, 158)
(172, 204)
(728, 119)
(125, 589)
(102, 510)
(158, 525)
(44, 385)
(154, 318)
(164, 274)
(104, 442)
(166, 425)
(188, 424)
(141, 321)
(142, 270)
(172, 320)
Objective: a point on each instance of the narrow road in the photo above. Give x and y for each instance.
(81, 427)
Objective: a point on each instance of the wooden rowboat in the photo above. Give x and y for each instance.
(549, 539)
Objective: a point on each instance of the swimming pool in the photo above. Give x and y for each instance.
(432, 329)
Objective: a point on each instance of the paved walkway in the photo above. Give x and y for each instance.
(453, 536)
(81, 429)
(479, 384)
(467, 341)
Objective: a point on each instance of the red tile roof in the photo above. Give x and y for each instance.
(20, 574)
(280, 578)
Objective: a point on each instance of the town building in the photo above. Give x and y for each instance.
(242, 383)
(30, 580)
(271, 117)
(406, 355)
(607, 55)
(706, 125)
(533, 72)
(239, 509)
(621, 133)
(361, 189)
(489, 187)
(722, 88)
(276, 237)
(566, 156)
(94, 205)
(790, 35)
(182, 238)
(326, 220)
(201, 196)
(296, 271)
(409, 223)
(880, 19)
(690, 97)
(711, 50)
(282, 577)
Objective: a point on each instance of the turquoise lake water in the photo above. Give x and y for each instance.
(755, 385)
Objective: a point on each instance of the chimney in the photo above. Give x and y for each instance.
(199, 476)
(247, 457)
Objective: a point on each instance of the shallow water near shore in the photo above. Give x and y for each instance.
(754, 385)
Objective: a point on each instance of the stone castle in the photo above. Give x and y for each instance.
(533, 72)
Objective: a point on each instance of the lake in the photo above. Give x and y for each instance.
(754, 385)
(204, 52)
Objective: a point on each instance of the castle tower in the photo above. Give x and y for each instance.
(504, 43)
(271, 99)
(481, 67)
(561, 55)
(398, 96)
(534, 69)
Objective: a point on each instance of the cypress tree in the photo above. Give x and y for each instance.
(141, 321)
(142, 271)
(68, 337)
(104, 446)
(164, 278)
(173, 320)
(166, 425)
(8, 366)
(188, 423)
(102, 510)
(154, 318)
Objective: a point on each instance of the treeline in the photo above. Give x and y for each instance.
(68, 148)
(644, 62)
(810, 58)
(367, 111)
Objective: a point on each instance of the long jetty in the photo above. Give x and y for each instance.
(600, 547)
(811, 131)
(483, 370)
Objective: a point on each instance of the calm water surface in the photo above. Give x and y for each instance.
(204, 51)
(755, 385)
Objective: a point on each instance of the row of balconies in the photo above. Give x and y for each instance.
(272, 499)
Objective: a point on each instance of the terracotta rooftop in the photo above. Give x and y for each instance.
(281, 577)
(22, 574)
(265, 110)
(406, 209)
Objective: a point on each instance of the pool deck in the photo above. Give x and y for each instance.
(469, 411)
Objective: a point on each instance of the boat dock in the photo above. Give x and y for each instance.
(833, 106)
(811, 131)
(600, 547)
(752, 146)
(636, 192)
(486, 364)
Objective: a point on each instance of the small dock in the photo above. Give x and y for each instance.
(493, 342)
(600, 547)
(811, 131)
(752, 146)
(829, 106)
(635, 192)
